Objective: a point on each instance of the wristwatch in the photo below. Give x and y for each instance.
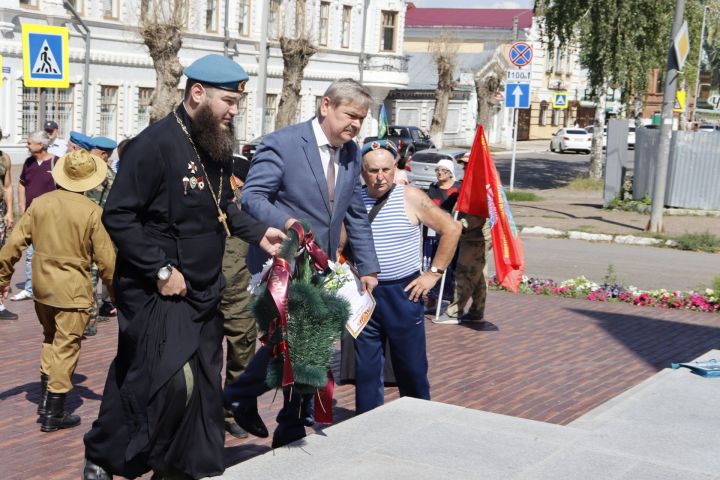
(437, 270)
(164, 272)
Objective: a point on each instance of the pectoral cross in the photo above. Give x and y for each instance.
(222, 218)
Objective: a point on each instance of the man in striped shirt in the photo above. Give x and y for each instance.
(402, 288)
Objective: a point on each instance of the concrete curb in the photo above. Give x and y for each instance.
(597, 237)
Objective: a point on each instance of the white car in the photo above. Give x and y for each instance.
(708, 127)
(571, 139)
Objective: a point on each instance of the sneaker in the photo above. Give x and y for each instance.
(107, 309)
(445, 320)
(21, 295)
(6, 314)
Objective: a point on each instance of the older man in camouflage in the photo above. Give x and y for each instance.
(103, 148)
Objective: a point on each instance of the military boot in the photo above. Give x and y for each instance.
(42, 405)
(55, 416)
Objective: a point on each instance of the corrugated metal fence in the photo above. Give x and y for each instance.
(693, 169)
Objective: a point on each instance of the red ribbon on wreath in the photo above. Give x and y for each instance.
(278, 282)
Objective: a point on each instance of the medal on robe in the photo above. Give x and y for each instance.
(193, 182)
(192, 167)
(200, 183)
(186, 182)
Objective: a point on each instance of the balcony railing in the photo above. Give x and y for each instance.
(386, 63)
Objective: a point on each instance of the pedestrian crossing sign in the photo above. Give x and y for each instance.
(560, 100)
(45, 56)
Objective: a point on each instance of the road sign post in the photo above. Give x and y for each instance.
(517, 96)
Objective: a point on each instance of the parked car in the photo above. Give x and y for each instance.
(421, 166)
(247, 150)
(708, 127)
(571, 139)
(630, 138)
(408, 139)
(591, 130)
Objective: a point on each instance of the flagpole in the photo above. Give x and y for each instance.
(442, 280)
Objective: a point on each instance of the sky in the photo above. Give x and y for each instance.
(473, 3)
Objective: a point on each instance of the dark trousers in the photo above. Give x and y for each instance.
(251, 384)
(400, 321)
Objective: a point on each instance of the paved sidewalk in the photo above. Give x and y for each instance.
(541, 358)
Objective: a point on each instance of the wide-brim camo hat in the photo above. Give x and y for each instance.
(79, 171)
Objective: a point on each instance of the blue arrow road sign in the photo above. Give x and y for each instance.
(517, 95)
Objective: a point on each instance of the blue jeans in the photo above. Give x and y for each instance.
(28, 268)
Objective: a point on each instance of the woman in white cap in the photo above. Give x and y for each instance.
(443, 193)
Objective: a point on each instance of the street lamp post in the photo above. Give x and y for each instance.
(86, 78)
(697, 76)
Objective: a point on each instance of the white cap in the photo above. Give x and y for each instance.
(448, 165)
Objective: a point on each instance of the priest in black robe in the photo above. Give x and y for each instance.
(169, 213)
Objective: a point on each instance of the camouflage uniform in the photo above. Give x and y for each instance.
(471, 270)
(98, 195)
(240, 329)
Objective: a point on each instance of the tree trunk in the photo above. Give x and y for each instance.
(596, 158)
(296, 55)
(164, 42)
(486, 88)
(446, 68)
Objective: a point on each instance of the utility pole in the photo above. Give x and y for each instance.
(361, 63)
(86, 77)
(663, 156)
(697, 77)
(262, 65)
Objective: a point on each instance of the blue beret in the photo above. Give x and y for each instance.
(81, 140)
(104, 143)
(377, 144)
(218, 71)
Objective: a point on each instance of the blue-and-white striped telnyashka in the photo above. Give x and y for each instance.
(397, 241)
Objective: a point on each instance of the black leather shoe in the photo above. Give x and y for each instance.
(6, 314)
(235, 430)
(94, 472)
(56, 418)
(250, 421)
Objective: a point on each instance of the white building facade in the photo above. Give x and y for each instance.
(122, 77)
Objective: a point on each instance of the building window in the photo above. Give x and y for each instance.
(389, 26)
(346, 23)
(555, 117)
(211, 16)
(110, 9)
(78, 5)
(58, 107)
(270, 112)
(244, 18)
(143, 113)
(324, 23)
(29, 3)
(542, 116)
(240, 120)
(108, 111)
(274, 20)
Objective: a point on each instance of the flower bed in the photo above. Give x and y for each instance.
(581, 287)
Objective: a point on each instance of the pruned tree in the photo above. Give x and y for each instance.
(444, 50)
(487, 85)
(296, 51)
(160, 25)
(618, 45)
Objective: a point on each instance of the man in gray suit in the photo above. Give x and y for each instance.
(311, 172)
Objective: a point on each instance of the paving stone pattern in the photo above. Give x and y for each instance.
(540, 358)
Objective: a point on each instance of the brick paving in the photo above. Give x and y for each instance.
(542, 358)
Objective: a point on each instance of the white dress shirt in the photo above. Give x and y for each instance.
(324, 148)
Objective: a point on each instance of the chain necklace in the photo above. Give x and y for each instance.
(222, 216)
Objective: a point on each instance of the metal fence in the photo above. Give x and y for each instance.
(693, 169)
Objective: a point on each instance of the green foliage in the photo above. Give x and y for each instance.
(584, 183)
(716, 283)
(702, 242)
(610, 277)
(630, 205)
(518, 196)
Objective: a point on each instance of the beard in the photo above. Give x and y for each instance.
(212, 137)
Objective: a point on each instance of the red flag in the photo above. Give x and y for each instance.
(482, 195)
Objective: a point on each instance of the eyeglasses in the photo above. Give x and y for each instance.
(442, 170)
